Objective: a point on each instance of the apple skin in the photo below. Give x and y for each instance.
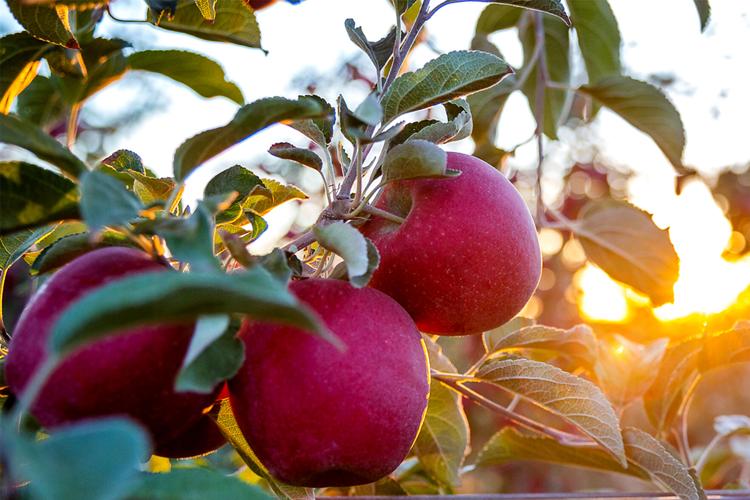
(202, 437)
(316, 416)
(130, 374)
(466, 259)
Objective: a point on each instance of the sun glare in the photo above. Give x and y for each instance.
(708, 283)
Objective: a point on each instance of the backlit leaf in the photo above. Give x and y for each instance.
(254, 292)
(234, 22)
(31, 196)
(201, 74)
(627, 245)
(19, 132)
(646, 108)
(250, 119)
(575, 399)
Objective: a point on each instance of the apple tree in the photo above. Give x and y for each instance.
(319, 368)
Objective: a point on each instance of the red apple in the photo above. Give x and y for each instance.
(466, 259)
(316, 416)
(131, 374)
(202, 437)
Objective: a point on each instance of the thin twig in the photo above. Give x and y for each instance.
(539, 99)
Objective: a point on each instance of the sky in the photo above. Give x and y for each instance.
(712, 90)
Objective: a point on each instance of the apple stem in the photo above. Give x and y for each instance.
(382, 213)
(539, 99)
(456, 382)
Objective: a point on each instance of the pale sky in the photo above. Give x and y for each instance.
(712, 92)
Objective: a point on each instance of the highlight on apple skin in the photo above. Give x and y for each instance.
(318, 416)
(467, 257)
(130, 374)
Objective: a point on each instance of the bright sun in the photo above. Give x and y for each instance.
(707, 284)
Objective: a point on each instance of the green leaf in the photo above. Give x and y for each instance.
(123, 160)
(69, 247)
(31, 196)
(231, 431)
(486, 107)
(303, 156)
(578, 342)
(214, 355)
(402, 6)
(458, 126)
(254, 292)
(250, 119)
(704, 12)
(41, 103)
(627, 245)
(646, 108)
(201, 74)
(497, 17)
(91, 460)
(379, 52)
(350, 245)
(18, 132)
(647, 458)
(191, 240)
(19, 57)
(551, 7)
(106, 202)
(151, 189)
(442, 442)
(572, 398)
(557, 55)
(369, 110)
(598, 37)
(517, 323)
(45, 22)
(207, 9)
(661, 466)
(105, 72)
(234, 179)
(234, 23)
(511, 445)
(625, 369)
(195, 484)
(353, 126)
(682, 365)
(319, 130)
(271, 195)
(373, 260)
(451, 75)
(13, 246)
(416, 159)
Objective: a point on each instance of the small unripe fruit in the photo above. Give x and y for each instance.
(316, 416)
(130, 374)
(466, 259)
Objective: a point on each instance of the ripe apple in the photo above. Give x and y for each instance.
(131, 374)
(467, 257)
(316, 416)
(201, 437)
